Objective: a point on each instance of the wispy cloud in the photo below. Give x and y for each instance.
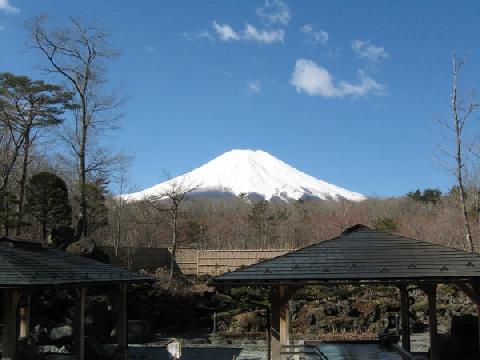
(274, 12)
(316, 37)
(205, 35)
(250, 33)
(8, 8)
(254, 87)
(315, 80)
(225, 32)
(263, 36)
(366, 50)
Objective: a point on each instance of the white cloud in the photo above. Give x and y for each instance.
(274, 12)
(250, 33)
(225, 32)
(8, 8)
(254, 87)
(150, 48)
(315, 80)
(319, 37)
(205, 35)
(367, 50)
(263, 36)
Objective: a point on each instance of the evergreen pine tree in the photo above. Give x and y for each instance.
(47, 201)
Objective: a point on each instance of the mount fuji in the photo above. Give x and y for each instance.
(254, 173)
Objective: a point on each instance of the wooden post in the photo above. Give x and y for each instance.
(473, 292)
(431, 291)
(269, 337)
(25, 318)
(79, 324)
(280, 319)
(275, 323)
(404, 309)
(9, 338)
(121, 326)
(284, 322)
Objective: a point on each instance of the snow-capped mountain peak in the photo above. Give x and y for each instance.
(251, 172)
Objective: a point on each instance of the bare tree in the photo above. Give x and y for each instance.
(169, 201)
(461, 110)
(77, 54)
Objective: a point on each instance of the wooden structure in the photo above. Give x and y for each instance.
(27, 266)
(191, 261)
(361, 255)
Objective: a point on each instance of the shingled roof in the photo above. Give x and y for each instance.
(25, 264)
(361, 254)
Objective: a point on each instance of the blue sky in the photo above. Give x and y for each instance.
(346, 91)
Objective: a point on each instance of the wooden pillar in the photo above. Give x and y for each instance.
(284, 322)
(121, 326)
(404, 309)
(25, 317)
(79, 324)
(269, 335)
(473, 292)
(280, 319)
(9, 338)
(431, 291)
(275, 323)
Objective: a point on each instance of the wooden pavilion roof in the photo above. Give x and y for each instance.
(27, 264)
(361, 254)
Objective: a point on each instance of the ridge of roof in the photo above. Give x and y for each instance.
(355, 228)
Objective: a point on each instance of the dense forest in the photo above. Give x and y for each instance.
(56, 174)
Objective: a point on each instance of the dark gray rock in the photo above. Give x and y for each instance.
(61, 334)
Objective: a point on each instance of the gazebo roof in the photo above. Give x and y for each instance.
(26, 264)
(361, 254)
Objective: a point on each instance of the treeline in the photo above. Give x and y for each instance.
(237, 223)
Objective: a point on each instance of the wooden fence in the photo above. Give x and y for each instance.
(216, 262)
(192, 261)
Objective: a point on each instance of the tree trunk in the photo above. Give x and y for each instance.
(174, 246)
(44, 234)
(458, 126)
(23, 180)
(82, 225)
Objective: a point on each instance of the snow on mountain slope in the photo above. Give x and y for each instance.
(251, 172)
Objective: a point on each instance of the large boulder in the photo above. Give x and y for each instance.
(250, 321)
(40, 328)
(52, 349)
(61, 334)
(88, 248)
